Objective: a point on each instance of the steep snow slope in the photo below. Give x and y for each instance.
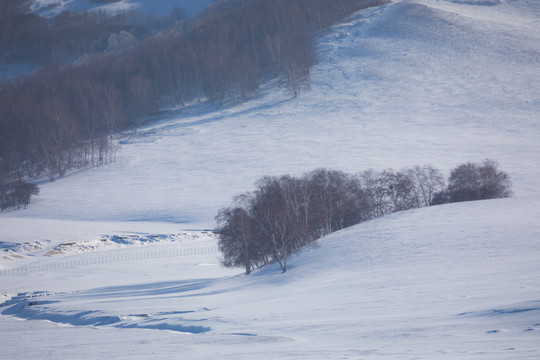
(450, 282)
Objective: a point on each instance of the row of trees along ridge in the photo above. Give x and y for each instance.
(284, 214)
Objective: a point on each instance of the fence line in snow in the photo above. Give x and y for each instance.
(108, 258)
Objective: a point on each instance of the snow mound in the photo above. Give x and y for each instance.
(457, 278)
(11, 255)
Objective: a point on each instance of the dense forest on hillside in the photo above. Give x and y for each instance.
(64, 116)
(30, 38)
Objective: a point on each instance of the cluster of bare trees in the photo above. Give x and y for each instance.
(284, 214)
(64, 117)
(224, 54)
(52, 124)
(16, 194)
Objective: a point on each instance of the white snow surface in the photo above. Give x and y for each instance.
(447, 282)
(409, 83)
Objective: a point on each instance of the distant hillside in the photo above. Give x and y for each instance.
(131, 67)
(50, 8)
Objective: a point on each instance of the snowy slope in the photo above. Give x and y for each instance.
(406, 84)
(413, 82)
(447, 282)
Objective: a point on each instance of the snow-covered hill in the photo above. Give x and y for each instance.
(447, 282)
(409, 83)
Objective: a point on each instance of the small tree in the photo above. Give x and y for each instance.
(494, 183)
(235, 240)
(399, 190)
(427, 181)
(275, 219)
(376, 192)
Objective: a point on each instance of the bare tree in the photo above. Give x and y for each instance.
(399, 190)
(427, 180)
(236, 241)
(275, 219)
(297, 58)
(111, 108)
(494, 183)
(376, 192)
(57, 138)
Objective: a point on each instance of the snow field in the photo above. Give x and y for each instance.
(409, 83)
(444, 282)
